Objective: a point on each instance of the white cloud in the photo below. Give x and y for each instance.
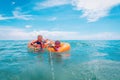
(50, 3)
(20, 15)
(17, 14)
(95, 9)
(28, 26)
(22, 34)
(92, 10)
(101, 36)
(52, 19)
(5, 18)
(13, 3)
(57, 34)
(16, 34)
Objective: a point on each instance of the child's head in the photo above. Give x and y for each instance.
(40, 37)
(57, 43)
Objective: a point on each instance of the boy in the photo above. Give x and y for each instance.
(38, 43)
(57, 45)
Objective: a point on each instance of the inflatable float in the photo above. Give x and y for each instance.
(64, 47)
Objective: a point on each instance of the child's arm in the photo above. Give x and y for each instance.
(54, 48)
(33, 42)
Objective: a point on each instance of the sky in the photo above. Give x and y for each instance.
(60, 19)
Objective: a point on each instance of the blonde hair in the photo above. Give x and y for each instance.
(40, 36)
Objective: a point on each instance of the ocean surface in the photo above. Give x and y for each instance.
(87, 60)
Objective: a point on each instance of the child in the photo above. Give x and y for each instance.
(57, 45)
(38, 43)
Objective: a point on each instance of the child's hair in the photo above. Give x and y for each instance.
(57, 42)
(39, 35)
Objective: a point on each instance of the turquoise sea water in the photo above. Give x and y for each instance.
(88, 60)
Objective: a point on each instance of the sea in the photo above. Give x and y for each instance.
(86, 60)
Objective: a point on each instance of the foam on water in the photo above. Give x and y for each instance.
(89, 60)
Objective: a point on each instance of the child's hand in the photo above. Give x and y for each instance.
(49, 45)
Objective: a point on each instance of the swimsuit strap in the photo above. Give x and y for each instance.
(39, 42)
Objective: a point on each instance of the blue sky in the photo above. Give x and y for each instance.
(60, 19)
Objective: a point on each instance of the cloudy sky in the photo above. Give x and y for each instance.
(60, 19)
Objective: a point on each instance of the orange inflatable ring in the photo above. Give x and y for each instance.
(64, 47)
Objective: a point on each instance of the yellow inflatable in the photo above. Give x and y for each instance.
(64, 47)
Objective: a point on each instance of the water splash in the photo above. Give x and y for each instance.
(52, 67)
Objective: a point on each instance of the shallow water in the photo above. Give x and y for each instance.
(88, 60)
